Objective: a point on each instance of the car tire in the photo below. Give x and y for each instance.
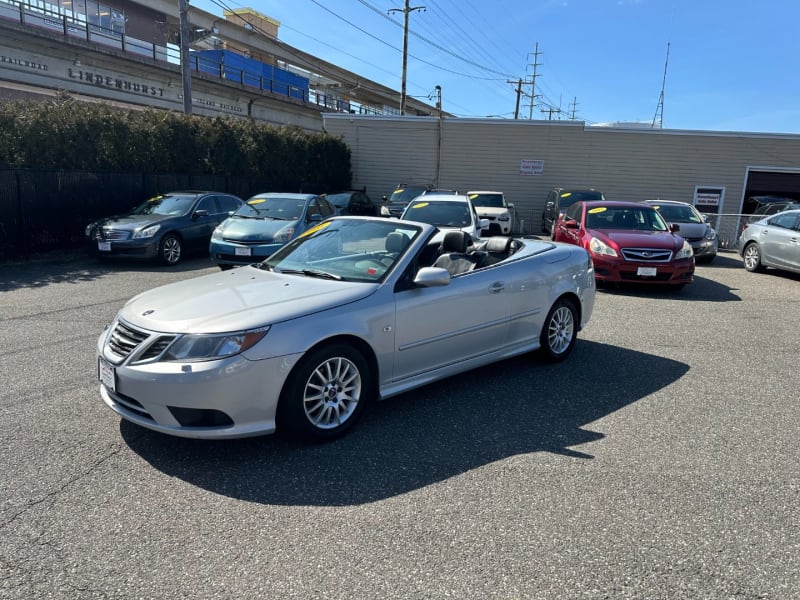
(326, 393)
(170, 249)
(559, 331)
(752, 258)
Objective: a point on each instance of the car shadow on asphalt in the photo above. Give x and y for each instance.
(50, 270)
(515, 407)
(702, 289)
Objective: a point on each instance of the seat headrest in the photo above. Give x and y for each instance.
(396, 242)
(455, 241)
(498, 244)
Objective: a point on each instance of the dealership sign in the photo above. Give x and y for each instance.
(531, 167)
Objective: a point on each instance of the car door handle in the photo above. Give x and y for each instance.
(497, 287)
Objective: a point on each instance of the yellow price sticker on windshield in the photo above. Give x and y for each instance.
(473, 196)
(421, 205)
(155, 198)
(566, 194)
(315, 229)
(599, 209)
(256, 201)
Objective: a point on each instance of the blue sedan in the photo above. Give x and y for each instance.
(263, 224)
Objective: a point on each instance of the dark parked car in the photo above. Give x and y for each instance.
(772, 206)
(693, 227)
(166, 226)
(559, 199)
(394, 205)
(353, 203)
(772, 242)
(629, 242)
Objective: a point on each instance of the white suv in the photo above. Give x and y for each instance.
(448, 212)
(493, 207)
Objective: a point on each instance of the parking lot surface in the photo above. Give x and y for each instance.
(659, 461)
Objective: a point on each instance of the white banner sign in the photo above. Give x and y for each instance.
(531, 167)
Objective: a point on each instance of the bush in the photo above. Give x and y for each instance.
(66, 134)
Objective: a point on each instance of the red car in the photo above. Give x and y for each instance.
(628, 241)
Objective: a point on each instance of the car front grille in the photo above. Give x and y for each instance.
(114, 235)
(647, 255)
(124, 340)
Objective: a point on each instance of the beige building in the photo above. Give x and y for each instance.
(525, 159)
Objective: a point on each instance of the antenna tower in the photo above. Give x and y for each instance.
(659, 116)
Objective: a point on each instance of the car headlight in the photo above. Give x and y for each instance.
(685, 252)
(89, 229)
(710, 234)
(597, 246)
(385, 211)
(202, 347)
(217, 233)
(504, 217)
(285, 234)
(147, 232)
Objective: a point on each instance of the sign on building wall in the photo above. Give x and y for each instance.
(529, 166)
(708, 199)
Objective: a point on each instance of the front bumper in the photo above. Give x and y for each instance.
(229, 398)
(143, 248)
(231, 253)
(677, 272)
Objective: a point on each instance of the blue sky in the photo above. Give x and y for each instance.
(733, 65)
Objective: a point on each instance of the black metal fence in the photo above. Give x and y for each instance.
(43, 211)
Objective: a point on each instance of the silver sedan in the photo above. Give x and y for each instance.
(772, 242)
(356, 309)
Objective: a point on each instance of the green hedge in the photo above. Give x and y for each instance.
(73, 135)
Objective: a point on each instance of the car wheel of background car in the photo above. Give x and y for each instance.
(560, 330)
(170, 249)
(326, 393)
(752, 258)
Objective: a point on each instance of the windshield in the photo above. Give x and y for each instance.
(404, 195)
(284, 209)
(338, 200)
(166, 205)
(678, 213)
(487, 200)
(625, 218)
(345, 250)
(440, 214)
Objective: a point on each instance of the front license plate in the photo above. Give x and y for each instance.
(104, 246)
(646, 271)
(243, 252)
(108, 375)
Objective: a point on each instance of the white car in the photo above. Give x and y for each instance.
(446, 212)
(493, 206)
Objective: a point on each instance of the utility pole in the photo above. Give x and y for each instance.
(574, 107)
(535, 64)
(519, 93)
(186, 68)
(405, 12)
(550, 110)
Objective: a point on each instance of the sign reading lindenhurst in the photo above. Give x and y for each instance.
(107, 81)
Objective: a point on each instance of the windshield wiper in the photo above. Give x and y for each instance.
(312, 273)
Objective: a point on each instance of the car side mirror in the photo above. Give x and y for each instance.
(432, 277)
(550, 205)
(674, 227)
(200, 213)
(483, 224)
(510, 205)
(571, 225)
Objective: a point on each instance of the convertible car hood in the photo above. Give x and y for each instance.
(253, 230)
(236, 300)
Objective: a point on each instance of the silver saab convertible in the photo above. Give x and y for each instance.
(356, 309)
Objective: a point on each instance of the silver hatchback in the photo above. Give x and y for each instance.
(772, 242)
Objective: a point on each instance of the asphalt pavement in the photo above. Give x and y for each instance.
(659, 461)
